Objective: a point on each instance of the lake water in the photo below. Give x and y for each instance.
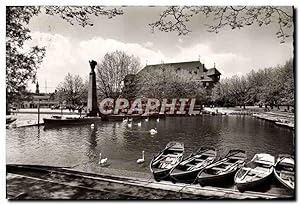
(81, 145)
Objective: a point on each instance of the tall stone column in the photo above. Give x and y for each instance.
(92, 92)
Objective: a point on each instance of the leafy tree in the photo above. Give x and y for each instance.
(112, 71)
(269, 86)
(176, 18)
(72, 90)
(287, 79)
(162, 83)
(21, 64)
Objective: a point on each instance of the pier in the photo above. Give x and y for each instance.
(65, 183)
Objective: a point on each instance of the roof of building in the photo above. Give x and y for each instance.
(213, 71)
(181, 65)
(190, 65)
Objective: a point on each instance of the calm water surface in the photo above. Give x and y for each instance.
(81, 145)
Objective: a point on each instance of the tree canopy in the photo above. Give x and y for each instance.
(72, 90)
(112, 71)
(269, 86)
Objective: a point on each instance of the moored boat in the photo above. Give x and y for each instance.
(162, 164)
(62, 121)
(10, 119)
(255, 173)
(187, 170)
(221, 172)
(284, 171)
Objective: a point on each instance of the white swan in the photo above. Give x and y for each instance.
(130, 125)
(92, 126)
(147, 119)
(153, 131)
(102, 161)
(139, 124)
(157, 120)
(142, 160)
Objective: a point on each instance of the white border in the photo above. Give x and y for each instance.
(114, 2)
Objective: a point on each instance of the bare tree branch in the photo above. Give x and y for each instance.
(175, 18)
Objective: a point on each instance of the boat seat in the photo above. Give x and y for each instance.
(172, 155)
(267, 163)
(186, 161)
(239, 158)
(286, 172)
(175, 150)
(217, 168)
(189, 165)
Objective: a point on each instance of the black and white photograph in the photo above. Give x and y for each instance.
(150, 102)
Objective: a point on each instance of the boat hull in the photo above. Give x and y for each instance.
(185, 177)
(288, 186)
(216, 180)
(254, 184)
(161, 174)
(49, 122)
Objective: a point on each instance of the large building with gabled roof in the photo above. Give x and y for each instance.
(187, 71)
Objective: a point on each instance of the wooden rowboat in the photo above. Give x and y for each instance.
(10, 120)
(284, 171)
(221, 172)
(255, 173)
(162, 164)
(187, 170)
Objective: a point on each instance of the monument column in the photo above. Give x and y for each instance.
(92, 92)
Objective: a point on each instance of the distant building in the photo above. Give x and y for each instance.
(45, 101)
(189, 71)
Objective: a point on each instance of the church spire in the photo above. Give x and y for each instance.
(37, 90)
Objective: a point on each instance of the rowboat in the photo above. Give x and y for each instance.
(162, 164)
(284, 171)
(187, 170)
(222, 172)
(10, 119)
(255, 173)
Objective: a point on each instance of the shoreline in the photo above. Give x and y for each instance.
(284, 119)
(280, 118)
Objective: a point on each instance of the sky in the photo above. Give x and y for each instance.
(69, 48)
